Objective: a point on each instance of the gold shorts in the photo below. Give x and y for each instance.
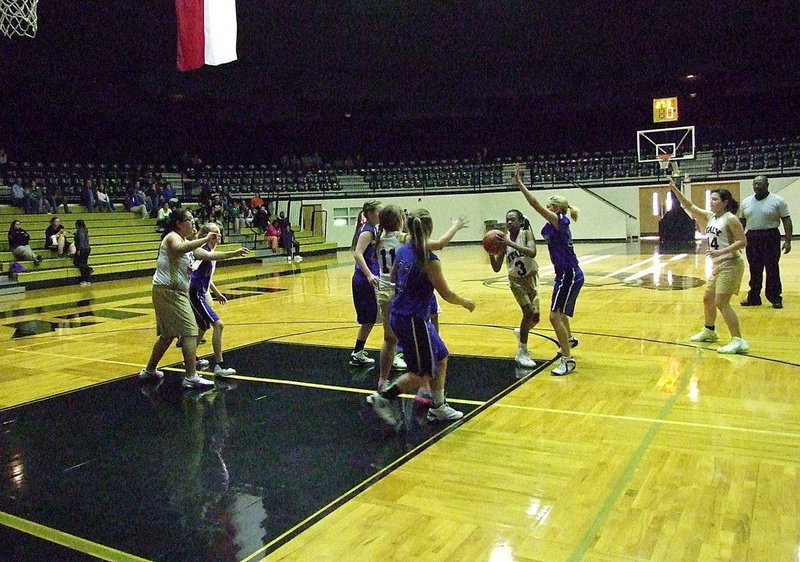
(174, 316)
(526, 290)
(726, 276)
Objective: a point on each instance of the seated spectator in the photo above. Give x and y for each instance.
(152, 198)
(272, 235)
(87, 195)
(260, 219)
(233, 214)
(18, 196)
(56, 198)
(246, 218)
(38, 202)
(103, 200)
(256, 202)
(19, 242)
(163, 216)
(137, 205)
(168, 193)
(55, 238)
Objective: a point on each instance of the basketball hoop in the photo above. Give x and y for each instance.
(18, 18)
(663, 160)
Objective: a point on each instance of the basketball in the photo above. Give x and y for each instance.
(493, 242)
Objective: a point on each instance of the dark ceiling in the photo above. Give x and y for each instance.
(100, 80)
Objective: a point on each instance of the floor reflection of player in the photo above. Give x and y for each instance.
(197, 477)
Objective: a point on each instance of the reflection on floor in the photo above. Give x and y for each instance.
(167, 474)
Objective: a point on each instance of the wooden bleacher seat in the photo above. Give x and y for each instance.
(122, 246)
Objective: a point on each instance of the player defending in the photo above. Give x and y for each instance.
(523, 278)
(200, 284)
(416, 273)
(726, 239)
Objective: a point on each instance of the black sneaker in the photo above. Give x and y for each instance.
(777, 304)
(748, 302)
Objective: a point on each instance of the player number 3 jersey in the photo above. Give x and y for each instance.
(520, 265)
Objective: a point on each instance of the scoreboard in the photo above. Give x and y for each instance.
(665, 109)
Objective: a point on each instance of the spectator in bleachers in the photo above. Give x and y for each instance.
(260, 219)
(256, 202)
(38, 202)
(55, 197)
(87, 195)
(272, 235)
(82, 251)
(19, 242)
(168, 193)
(136, 203)
(245, 218)
(3, 158)
(55, 238)
(163, 216)
(18, 196)
(153, 198)
(103, 200)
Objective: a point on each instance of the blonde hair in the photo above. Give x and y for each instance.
(420, 226)
(206, 228)
(564, 207)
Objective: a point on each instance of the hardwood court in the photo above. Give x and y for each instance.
(654, 449)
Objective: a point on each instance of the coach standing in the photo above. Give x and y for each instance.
(762, 214)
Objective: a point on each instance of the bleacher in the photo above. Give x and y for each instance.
(122, 246)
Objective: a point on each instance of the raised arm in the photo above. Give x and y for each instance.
(546, 213)
(434, 271)
(696, 212)
(458, 223)
(177, 246)
(206, 255)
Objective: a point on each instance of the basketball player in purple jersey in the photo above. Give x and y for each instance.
(365, 279)
(569, 276)
(416, 273)
(201, 284)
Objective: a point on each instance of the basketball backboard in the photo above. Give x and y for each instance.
(677, 141)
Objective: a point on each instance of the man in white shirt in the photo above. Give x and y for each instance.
(762, 213)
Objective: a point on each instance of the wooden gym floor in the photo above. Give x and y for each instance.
(654, 449)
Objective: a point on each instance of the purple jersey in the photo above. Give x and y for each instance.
(369, 254)
(559, 244)
(201, 277)
(414, 289)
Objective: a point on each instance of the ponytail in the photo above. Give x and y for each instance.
(420, 226)
(368, 207)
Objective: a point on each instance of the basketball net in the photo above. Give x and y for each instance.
(18, 18)
(663, 160)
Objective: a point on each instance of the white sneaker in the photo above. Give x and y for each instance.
(384, 408)
(566, 365)
(156, 374)
(399, 363)
(705, 335)
(298, 258)
(737, 345)
(444, 413)
(196, 381)
(289, 259)
(524, 360)
(361, 358)
(221, 371)
(202, 364)
(85, 283)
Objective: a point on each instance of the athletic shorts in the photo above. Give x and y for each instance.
(526, 291)
(565, 291)
(174, 316)
(204, 315)
(365, 300)
(385, 296)
(726, 276)
(422, 346)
